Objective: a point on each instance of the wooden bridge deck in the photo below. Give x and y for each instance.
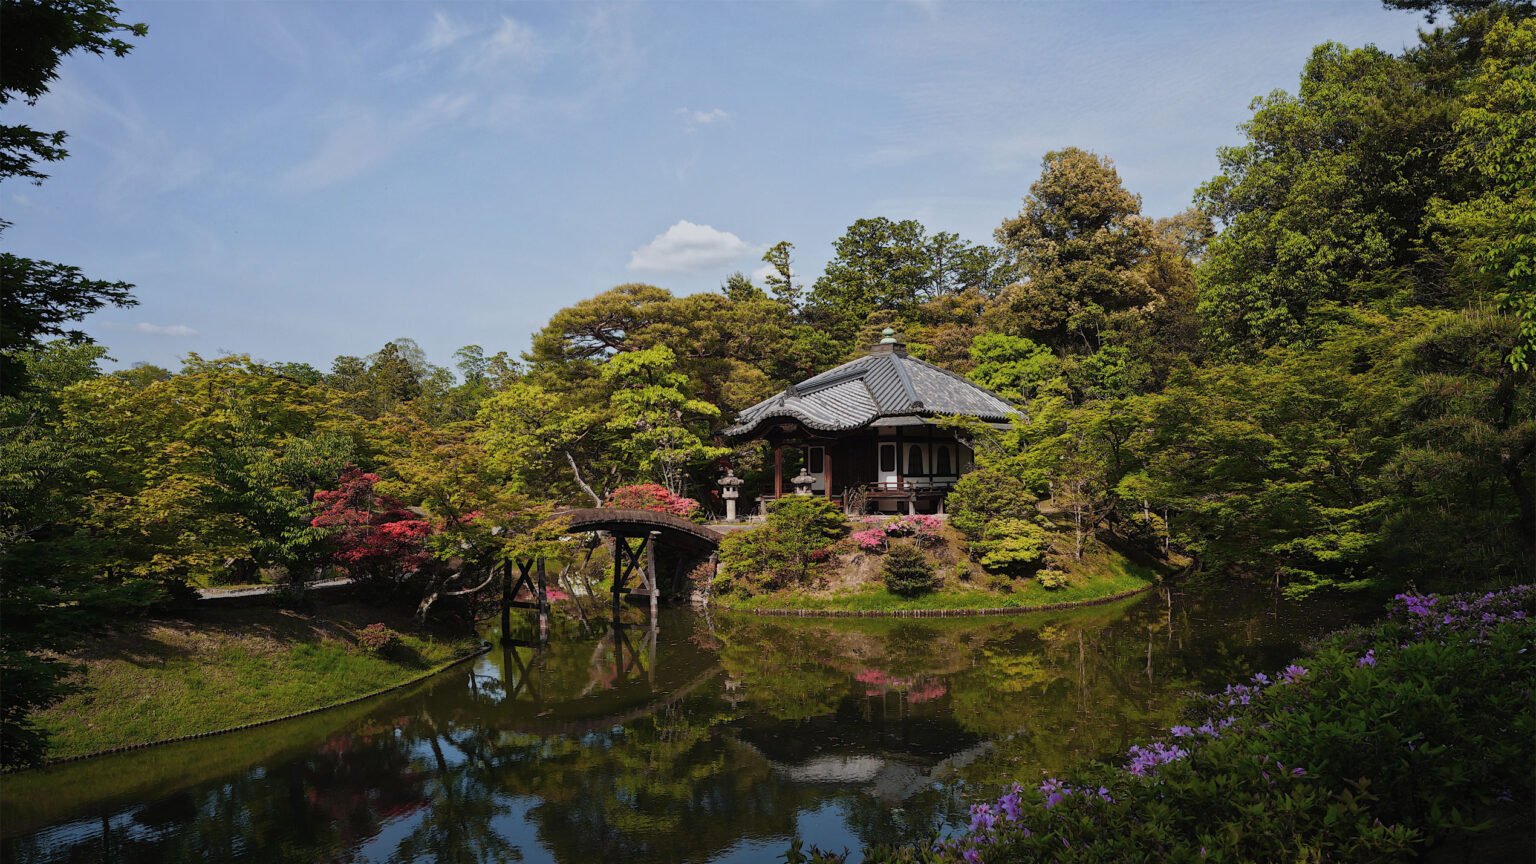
(636, 523)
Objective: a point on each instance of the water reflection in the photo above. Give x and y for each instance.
(710, 738)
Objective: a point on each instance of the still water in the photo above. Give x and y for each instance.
(713, 738)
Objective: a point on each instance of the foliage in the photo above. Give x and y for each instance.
(1016, 547)
(378, 639)
(790, 550)
(660, 424)
(38, 297)
(654, 497)
(1494, 230)
(1380, 744)
(1052, 579)
(885, 266)
(38, 38)
(926, 531)
(870, 539)
(907, 571)
(1079, 242)
(987, 495)
(1011, 366)
(374, 535)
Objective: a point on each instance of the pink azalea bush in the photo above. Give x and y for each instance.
(925, 531)
(653, 497)
(870, 539)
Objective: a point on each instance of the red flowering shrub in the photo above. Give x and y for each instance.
(870, 539)
(653, 497)
(374, 535)
(378, 639)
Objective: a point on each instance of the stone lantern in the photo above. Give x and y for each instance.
(730, 490)
(802, 482)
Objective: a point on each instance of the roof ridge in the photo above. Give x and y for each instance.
(829, 379)
(913, 402)
(964, 380)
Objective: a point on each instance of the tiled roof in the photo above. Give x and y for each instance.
(881, 384)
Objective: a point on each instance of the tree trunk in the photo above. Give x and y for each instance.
(576, 472)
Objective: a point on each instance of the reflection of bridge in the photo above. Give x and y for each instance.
(631, 693)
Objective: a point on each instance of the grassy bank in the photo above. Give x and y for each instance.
(217, 668)
(1102, 573)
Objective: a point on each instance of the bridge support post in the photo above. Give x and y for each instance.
(620, 549)
(543, 603)
(650, 572)
(506, 603)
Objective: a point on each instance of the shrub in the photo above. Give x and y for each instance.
(1016, 547)
(1380, 744)
(926, 531)
(791, 549)
(379, 640)
(987, 495)
(870, 539)
(812, 517)
(907, 572)
(653, 497)
(1052, 579)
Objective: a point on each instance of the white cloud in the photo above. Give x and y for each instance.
(508, 41)
(165, 329)
(362, 140)
(442, 32)
(687, 247)
(694, 118)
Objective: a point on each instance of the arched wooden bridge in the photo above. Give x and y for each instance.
(648, 527)
(673, 530)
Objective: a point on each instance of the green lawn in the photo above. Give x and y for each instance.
(1102, 573)
(168, 678)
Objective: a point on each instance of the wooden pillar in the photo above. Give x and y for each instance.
(901, 469)
(826, 467)
(650, 571)
(778, 470)
(506, 603)
(543, 603)
(620, 545)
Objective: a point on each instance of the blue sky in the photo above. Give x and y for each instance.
(296, 181)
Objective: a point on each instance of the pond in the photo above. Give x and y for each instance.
(713, 738)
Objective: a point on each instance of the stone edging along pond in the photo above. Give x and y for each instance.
(484, 647)
(938, 613)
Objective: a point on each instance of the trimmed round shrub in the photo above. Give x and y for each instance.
(378, 640)
(908, 573)
(1052, 579)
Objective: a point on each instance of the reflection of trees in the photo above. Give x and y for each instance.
(472, 769)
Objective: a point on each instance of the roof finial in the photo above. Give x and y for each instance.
(888, 336)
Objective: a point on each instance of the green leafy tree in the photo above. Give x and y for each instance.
(1079, 244)
(557, 444)
(38, 38)
(659, 423)
(780, 280)
(791, 549)
(884, 267)
(1493, 232)
(1323, 206)
(1011, 366)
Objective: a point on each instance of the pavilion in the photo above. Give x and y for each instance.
(866, 430)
